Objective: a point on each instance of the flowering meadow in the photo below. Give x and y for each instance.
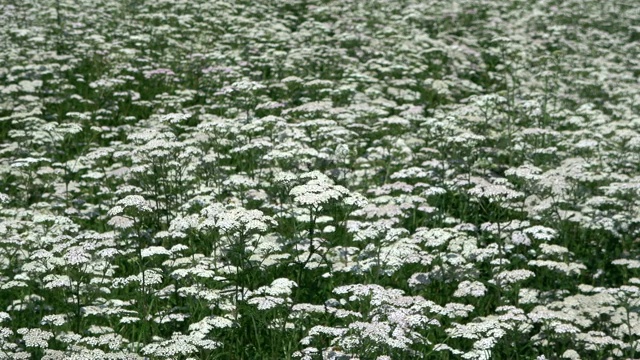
(319, 179)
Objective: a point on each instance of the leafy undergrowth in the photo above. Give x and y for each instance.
(319, 179)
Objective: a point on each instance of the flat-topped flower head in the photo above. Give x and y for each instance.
(470, 288)
(130, 202)
(317, 192)
(320, 191)
(35, 337)
(234, 219)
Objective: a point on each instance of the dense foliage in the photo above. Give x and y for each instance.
(319, 179)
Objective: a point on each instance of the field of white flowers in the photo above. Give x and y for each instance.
(319, 179)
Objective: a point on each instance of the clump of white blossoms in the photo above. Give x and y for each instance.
(35, 337)
(155, 250)
(320, 191)
(556, 258)
(229, 219)
(181, 179)
(389, 320)
(179, 345)
(498, 190)
(128, 204)
(486, 332)
(470, 288)
(509, 277)
(268, 297)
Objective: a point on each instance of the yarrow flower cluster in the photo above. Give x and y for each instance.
(229, 219)
(134, 202)
(317, 192)
(325, 179)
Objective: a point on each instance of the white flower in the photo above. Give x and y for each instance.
(284, 177)
(318, 192)
(519, 238)
(130, 201)
(494, 192)
(129, 319)
(4, 316)
(508, 277)
(155, 250)
(235, 219)
(266, 302)
(53, 281)
(454, 310)
(281, 286)
(184, 223)
(164, 318)
(179, 345)
(539, 232)
(445, 347)
(586, 144)
(570, 268)
(436, 237)
(306, 353)
(76, 255)
(13, 284)
(35, 337)
(378, 332)
(148, 277)
(292, 80)
(342, 151)
(209, 323)
(563, 328)
(553, 249)
(571, 354)
(246, 86)
(528, 296)
(326, 330)
(527, 172)
(469, 288)
(108, 253)
(174, 118)
(310, 108)
(485, 343)
(355, 199)
(596, 340)
(629, 263)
